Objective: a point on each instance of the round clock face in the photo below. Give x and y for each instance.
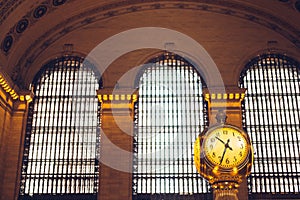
(225, 147)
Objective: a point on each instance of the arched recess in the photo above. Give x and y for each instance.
(60, 156)
(169, 115)
(271, 117)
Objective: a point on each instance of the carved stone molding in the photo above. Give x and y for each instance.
(101, 12)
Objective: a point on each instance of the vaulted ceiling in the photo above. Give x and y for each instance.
(32, 32)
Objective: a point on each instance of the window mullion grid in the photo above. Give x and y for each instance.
(286, 150)
(37, 154)
(39, 159)
(161, 134)
(198, 181)
(87, 127)
(245, 82)
(162, 126)
(73, 146)
(279, 88)
(140, 146)
(258, 120)
(97, 145)
(40, 141)
(154, 173)
(185, 136)
(146, 143)
(56, 115)
(63, 101)
(32, 158)
(79, 130)
(168, 124)
(62, 132)
(179, 120)
(152, 188)
(288, 130)
(292, 125)
(270, 121)
(196, 123)
(181, 130)
(74, 131)
(251, 114)
(89, 144)
(86, 143)
(296, 118)
(196, 105)
(166, 110)
(36, 145)
(51, 134)
(82, 134)
(49, 148)
(166, 176)
(184, 126)
(57, 133)
(65, 134)
(190, 133)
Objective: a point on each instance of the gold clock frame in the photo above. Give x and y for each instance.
(216, 173)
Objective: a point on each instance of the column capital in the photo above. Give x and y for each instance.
(119, 100)
(107, 95)
(227, 99)
(233, 94)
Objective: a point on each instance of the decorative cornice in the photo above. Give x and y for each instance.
(7, 7)
(27, 20)
(99, 13)
(229, 94)
(119, 101)
(13, 93)
(109, 95)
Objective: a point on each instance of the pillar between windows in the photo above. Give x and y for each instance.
(13, 116)
(228, 100)
(117, 111)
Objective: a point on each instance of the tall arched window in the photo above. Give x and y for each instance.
(60, 158)
(169, 116)
(271, 117)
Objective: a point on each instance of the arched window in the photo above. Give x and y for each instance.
(271, 115)
(170, 114)
(62, 134)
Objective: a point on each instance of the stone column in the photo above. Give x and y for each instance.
(13, 122)
(117, 110)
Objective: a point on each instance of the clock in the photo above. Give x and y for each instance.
(226, 146)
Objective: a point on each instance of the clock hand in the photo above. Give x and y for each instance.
(226, 147)
(220, 140)
(223, 155)
(227, 144)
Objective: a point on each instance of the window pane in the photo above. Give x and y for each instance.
(62, 134)
(169, 117)
(271, 118)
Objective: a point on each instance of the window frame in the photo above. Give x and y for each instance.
(66, 66)
(274, 91)
(154, 63)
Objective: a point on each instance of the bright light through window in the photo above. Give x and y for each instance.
(169, 117)
(62, 134)
(271, 118)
